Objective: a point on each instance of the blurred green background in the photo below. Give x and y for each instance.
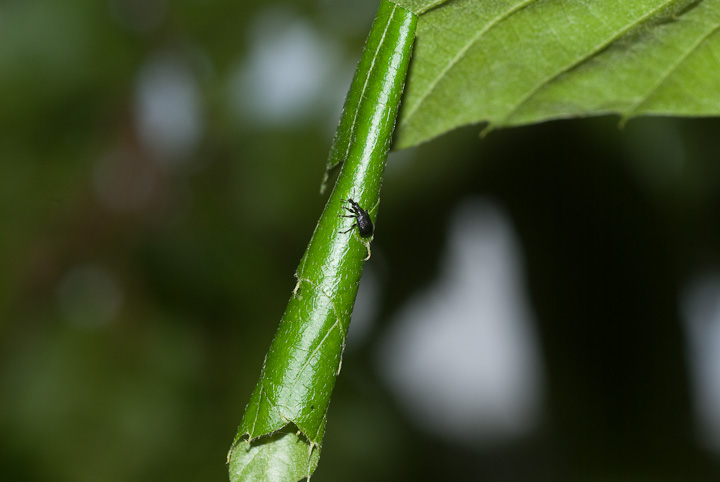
(541, 305)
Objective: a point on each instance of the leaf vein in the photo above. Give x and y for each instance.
(673, 67)
(337, 324)
(565, 68)
(317, 348)
(462, 52)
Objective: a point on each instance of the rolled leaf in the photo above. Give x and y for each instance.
(281, 433)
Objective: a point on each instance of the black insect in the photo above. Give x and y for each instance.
(362, 218)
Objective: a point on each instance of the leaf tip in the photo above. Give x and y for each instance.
(623, 121)
(487, 130)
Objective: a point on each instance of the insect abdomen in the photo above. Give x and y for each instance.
(365, 225)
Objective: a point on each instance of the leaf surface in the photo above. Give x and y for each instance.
(278, 457)
(517, 62)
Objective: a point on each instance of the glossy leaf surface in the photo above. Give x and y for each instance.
(299, 373)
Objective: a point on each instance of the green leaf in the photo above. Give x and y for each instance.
(360, 122)
(277, 457)
(523, 61)
(281, 433)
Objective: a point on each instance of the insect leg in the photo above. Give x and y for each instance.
(348, 230)
(367, 245)
(353, 210)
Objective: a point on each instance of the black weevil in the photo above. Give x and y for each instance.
(362, 218)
